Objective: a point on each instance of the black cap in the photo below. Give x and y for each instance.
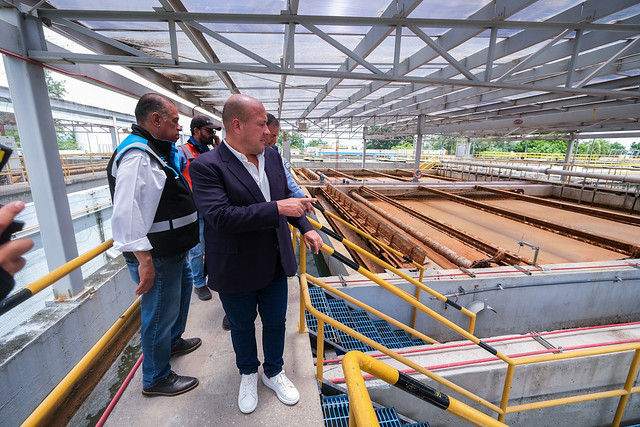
(203, 122)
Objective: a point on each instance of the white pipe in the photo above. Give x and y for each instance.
(551, 171)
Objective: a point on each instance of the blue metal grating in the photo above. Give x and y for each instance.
(364, 325)
(319, 302)
(350, 343)
(404, 339)
(340, 312)
(335, 410)
(387, 417)
(418, 341)
(418, 425)
(336, 413)
(390, 340)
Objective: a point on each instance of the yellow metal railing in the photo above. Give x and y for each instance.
(504, 408)
(583, 159)
(361, 409)
(305, 303)
(33, 288)
(72, 164)
(42, 414)
(413, 300)
(430, 165)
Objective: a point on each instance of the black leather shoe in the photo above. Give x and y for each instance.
(173, 385)
(186, 346)
(203, 293)
(225, 323)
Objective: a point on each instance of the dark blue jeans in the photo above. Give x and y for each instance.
(196, 258)
(240, 308)
(163, 312)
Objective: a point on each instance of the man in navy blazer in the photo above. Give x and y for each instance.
(241, 190)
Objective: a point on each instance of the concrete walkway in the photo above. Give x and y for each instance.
(214, 402)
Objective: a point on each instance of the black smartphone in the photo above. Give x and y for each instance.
(15, 226)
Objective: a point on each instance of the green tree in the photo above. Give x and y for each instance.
(66, 140)
(443, 142)
(405, 146)
(387, 143)
(542, 146)
(295, 139)
(635, 146)
(55, 88)
(7, 119)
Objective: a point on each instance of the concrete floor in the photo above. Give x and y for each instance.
(214, 401)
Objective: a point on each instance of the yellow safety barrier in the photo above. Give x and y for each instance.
(305, 303)
(405, 295)
(61, 391)
(323, 318)
(40, 416)
(361, 410)
(30, 290)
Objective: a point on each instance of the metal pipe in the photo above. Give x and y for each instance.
(116, 398)
(446, 252)
(355, 361)
(551, 171)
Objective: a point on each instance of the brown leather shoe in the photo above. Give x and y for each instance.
(173, 385)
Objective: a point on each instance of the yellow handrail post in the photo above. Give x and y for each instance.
(320, 350)
(506, 391)
(303, 255)
(360, 406)
(303, 262)
(633, 371)
(415, 309)
(361, 409)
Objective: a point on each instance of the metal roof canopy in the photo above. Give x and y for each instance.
(502, 68)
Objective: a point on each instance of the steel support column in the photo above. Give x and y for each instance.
(39, 144)
(286, 147)
(421, 124)
(115, 137)
(364, 147)
(567, 156)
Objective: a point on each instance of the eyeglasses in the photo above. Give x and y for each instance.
(209, 130)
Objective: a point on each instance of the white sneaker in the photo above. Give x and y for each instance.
(285, 390)
(248, 394)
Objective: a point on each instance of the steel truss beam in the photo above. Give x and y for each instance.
(565, 57)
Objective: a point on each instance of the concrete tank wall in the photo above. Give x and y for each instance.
(41, 351)
(533, 383)
(570, 295)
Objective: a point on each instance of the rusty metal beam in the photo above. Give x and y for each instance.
(499, 255)
(599, 213)
(386, 175)
(342, 212)
(337, 172)
(359, 217)
(594, 239)
(309, 174)
(447, 253)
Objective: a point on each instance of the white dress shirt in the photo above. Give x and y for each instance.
(139, 184)
(258, 174)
